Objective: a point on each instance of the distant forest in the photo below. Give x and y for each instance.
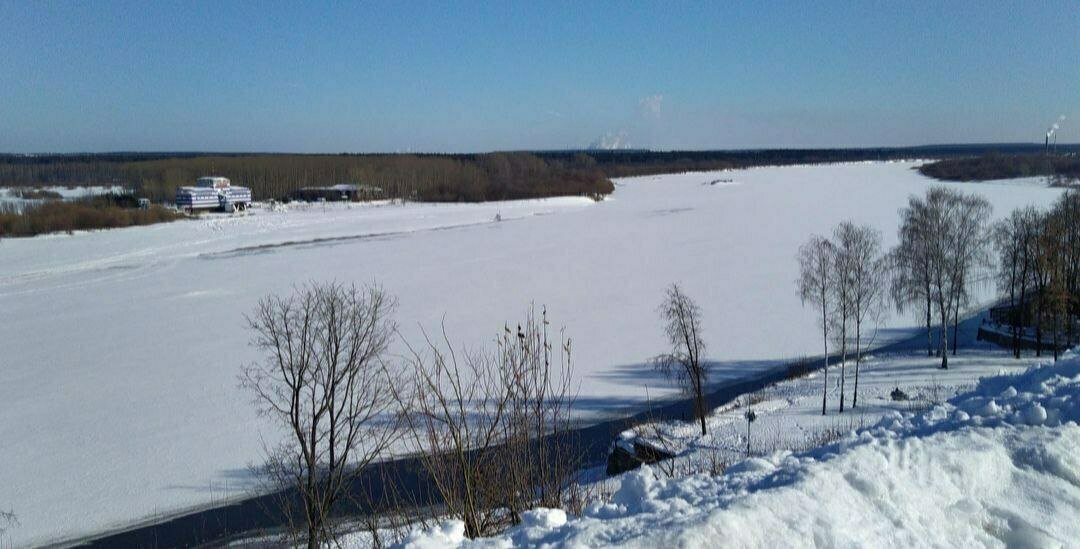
(1064, 168)
(427, 177)
(439, 178)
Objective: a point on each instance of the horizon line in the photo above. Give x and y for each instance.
(192, 152)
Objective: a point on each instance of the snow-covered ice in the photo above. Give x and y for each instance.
(121, 348)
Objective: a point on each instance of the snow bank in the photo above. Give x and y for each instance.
(992, 467)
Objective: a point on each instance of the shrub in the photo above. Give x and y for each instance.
(800, 368)
(98, 213)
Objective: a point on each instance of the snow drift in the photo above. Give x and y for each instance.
(992, 467)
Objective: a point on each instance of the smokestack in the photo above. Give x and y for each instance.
(1052, 131)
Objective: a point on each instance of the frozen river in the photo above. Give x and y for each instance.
(120, 349)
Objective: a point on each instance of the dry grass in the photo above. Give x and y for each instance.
(56, 216)
(799, 368)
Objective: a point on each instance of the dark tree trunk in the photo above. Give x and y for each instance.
(1038, 325)
(747, 438)
(858, 359)
(825, 338)
(944, 343)
(955, 326)
(929, 338)
(700, 400)
(1012, 320)
(843, 365)
(1021, 317)
(1055, 343)
(701, 412)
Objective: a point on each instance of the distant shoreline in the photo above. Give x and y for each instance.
(1062, 168)
(435, 177)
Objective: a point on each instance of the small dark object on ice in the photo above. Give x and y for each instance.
(628, 452)
(897, 394)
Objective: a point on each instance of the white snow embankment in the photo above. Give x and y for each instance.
(993, 467)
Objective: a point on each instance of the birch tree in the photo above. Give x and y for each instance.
(909, 263)
(843, 306)
(968, 254)
(815, 282)
(1009, 242)
(934, 257)
(682, 326)
(861, 273)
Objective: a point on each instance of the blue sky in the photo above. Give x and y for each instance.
(463, 76)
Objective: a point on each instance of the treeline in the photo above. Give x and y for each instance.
(428, 177)
(1062, 168)
(437, 178)
(625, 163)
(946, 248)
(1039, 271)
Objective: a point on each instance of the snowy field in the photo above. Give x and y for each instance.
(10, 196)
(995, 466)
(118, 389)
(66, 193)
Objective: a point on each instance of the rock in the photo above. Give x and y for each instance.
(629, 452)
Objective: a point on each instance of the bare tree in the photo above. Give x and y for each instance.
(1057, 291)
(941, 239)
(861, 272)
(910, 263)
(844, 307)
(538, 436)
(682, 326)
(1009, 241)
(1067, 211)
(815, 282)
(493, 428)
(1039, 256)
(938, 210)
(456, 409)
(323, 381)
(1052, 277)
(968, 252)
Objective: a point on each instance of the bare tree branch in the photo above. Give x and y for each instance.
(682, 326)
(324, 381)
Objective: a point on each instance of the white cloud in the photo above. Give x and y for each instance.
(610, 141)
(651, 106)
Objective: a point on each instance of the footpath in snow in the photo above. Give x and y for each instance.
(993, 466)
